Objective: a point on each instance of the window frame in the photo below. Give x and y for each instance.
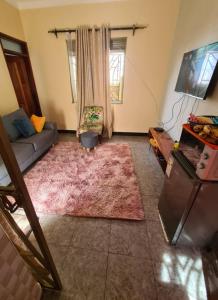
(124, 39)
(72, 49)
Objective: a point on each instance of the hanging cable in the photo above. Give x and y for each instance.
(186, 102)
(177, 118)
(172, 110)
(146, 85)
(196, 109)
(193, 105)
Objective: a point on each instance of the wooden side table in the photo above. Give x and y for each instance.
(163, 146)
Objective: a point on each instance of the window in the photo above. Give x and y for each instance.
(71, 47)
(11, 45)
(116, 64)
(116, 68)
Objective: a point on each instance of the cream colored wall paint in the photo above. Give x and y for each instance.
(197, 26)
(10, 24)
(147, 57)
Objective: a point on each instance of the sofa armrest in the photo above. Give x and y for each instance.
(50, 125)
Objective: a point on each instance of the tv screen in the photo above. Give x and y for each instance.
(197, 70)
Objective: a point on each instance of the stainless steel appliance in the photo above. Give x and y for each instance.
(188, 206)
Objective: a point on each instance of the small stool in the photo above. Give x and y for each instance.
(89, 140)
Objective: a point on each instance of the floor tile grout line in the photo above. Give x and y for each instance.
(106, 275)
(107, 257)
(154, 276)
(79, 248)
(131, 256)
(152, 262)
(101, 251)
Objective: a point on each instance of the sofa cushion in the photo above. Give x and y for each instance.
(38, 140)
(91, 127)
(11, 130)
(22, 153)
(38, 123)
(24, 126)
(7, 120)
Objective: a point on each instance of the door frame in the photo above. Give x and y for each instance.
(25, 55)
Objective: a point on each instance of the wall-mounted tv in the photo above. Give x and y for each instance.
(197, 70)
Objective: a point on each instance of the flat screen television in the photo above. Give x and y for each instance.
(196, 71)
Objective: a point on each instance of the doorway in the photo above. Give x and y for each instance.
(20, 70)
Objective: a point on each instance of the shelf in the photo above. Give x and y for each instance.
(197, 136)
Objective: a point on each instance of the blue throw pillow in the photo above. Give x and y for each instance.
(24, 126)
(11, 130)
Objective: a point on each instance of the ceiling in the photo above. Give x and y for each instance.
(31, 4)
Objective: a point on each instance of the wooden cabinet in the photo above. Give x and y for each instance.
(163, 146)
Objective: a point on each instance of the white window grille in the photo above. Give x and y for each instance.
(116, 68)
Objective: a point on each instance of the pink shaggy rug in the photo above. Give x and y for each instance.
(101, 183)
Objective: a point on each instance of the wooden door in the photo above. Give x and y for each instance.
(18, 61)
(19, 76)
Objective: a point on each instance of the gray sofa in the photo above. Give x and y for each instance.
(26, 150)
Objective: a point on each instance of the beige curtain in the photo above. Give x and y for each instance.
(92, 53)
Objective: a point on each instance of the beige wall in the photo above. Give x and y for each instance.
(146, 65)
(10, 24)
(197, 26)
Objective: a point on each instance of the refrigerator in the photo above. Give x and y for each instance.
(188, 206)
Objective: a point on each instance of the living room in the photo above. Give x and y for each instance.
(96, 199)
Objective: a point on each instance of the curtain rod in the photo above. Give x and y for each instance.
(133, 27)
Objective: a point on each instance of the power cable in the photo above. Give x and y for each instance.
(198, 103)
(146, 85)
(193, 105)
(177, 118)
(172, 110)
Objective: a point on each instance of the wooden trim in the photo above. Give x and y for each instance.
(163, 147)
(131, 133)
(22, 236)
(66, 131)
(28, 64)
(32, 81)
(11, 38)
(11, 52)
(114, 133)
(15, 174)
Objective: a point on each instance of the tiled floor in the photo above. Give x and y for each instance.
(123, 260)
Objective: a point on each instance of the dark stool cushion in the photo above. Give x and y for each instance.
(89, 139)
